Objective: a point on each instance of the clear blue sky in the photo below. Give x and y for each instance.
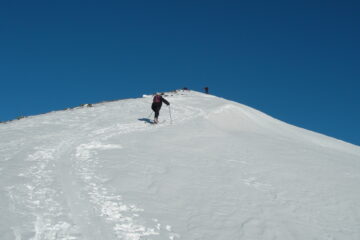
(298, 61)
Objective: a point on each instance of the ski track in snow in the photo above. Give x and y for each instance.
(109, 205)
(121, 216)
(50, 220)
(39, 198)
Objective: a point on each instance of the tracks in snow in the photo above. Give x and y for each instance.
(64, 197)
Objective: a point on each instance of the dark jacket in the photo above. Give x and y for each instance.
(158, 100)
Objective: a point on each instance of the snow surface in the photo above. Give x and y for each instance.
(219, 171)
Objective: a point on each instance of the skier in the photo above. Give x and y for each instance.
(156, 105)
(206, 90)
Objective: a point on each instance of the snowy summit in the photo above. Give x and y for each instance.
(215, 170)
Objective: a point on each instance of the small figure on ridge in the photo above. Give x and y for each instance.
(206, 90)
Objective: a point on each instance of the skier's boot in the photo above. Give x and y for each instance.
(156, 120)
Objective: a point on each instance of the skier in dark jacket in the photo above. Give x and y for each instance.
(156, 105)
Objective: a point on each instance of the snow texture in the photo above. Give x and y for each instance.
(218, 171)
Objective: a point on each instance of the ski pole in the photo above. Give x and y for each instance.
(150, 115)
(170, 115)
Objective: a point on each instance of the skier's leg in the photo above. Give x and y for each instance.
(156, 115)
(154, 108)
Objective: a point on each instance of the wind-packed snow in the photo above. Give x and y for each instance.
(218, 171)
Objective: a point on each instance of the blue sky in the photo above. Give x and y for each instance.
(297, 61)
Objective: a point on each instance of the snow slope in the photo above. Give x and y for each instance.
(220, 171)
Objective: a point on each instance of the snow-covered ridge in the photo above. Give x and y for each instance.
(216, 170)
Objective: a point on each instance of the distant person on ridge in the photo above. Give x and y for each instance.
(156, 105)
(206, 90)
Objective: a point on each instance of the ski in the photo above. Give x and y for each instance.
(154, 123)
